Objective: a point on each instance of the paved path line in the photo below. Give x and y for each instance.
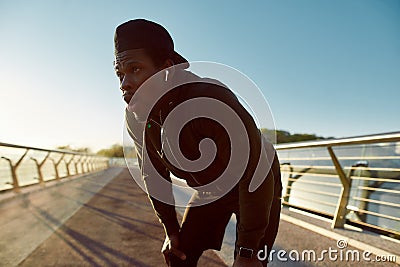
(333, 235)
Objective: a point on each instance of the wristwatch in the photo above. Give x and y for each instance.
(246, 252)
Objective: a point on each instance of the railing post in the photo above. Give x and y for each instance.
(339, 218)
(76, 165)
(289, 183)
(89, 164)
(14, 168)
(15, 183)
(39, 167)
(80, 162)
(57, 164)
(39, 173)
(83, 164)
(55, 169)
(67, 164)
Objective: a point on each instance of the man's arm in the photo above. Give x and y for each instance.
(165, 212)
(160, 193)
(159, 188)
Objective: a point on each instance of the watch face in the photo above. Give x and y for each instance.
(245, 252)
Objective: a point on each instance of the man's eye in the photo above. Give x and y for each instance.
(120, 75)
(135, 69)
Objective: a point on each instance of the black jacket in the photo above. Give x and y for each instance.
(254, 206)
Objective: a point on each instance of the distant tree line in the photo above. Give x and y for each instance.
(115, 151)
(79, 149)
(286, 137)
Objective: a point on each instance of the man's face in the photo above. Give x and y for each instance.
(133, 67)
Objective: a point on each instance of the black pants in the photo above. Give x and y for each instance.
(204, 226)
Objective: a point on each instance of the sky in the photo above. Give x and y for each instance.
(330, 68)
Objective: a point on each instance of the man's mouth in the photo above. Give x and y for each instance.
(127, 97)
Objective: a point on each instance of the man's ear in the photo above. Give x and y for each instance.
(168, 63)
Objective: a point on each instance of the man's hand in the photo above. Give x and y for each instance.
(243, 262)
(170, 246)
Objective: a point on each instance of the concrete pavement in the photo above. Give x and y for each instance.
(116, 227)
(104, 219)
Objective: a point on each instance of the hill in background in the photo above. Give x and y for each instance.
(286, 137)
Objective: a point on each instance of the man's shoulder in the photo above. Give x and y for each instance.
(207, 87)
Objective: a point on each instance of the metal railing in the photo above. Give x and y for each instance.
(22, 165)
(354, 179)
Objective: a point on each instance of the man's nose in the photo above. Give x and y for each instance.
(127, 84)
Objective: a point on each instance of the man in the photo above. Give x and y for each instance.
(151, 75)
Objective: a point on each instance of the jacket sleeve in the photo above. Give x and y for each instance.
(165, 212)
(160, 192)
